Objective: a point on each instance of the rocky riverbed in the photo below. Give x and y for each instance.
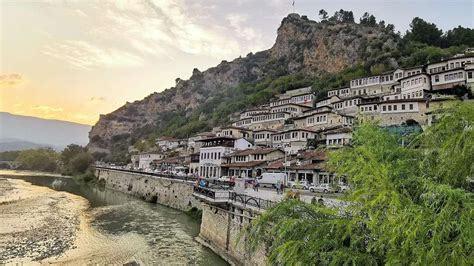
(43, 226)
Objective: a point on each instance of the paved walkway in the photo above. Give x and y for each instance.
(270, 194)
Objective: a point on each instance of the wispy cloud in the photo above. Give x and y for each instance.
(96, 100)
(47, 109)
(10, 80)
(84, 55)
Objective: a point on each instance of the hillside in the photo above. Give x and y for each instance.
(20, 132)
(323, 55)
(303, 48)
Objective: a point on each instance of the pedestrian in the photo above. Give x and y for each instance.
(278, 187)
(256, 185)
(282, 188)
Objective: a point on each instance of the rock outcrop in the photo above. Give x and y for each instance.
(302, 46)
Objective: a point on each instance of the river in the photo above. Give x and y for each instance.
(168, 234)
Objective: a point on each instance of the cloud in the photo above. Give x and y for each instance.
(96, 100)
(10, 80)
(87, 56)
(47, 109)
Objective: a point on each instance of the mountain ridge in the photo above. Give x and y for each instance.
(40, 132)
(303, 49)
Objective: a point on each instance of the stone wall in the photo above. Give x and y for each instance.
(222, 231)
(177, 194)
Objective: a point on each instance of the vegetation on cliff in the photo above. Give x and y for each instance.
(409, 204)
(324, 55)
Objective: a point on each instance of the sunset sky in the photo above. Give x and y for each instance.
(74, 60)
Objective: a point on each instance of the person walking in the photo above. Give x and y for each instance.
(256, 184)
(278, 187)
(282, 188)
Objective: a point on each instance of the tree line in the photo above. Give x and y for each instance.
(74, 160)
(420, 30)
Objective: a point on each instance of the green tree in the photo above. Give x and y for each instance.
(424, 32)
(81, 162)
(401, 209)
(323, 14)
(39, 160)
(368, 20)
(459, 36)
(342, 16)
(70, 152)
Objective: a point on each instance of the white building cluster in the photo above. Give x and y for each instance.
(280, 135)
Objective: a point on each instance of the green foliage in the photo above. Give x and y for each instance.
(81, 162)
(70, 152)
(459, 36)
(408, 204)
(368, 20)
(39, 160)
(424, 32)
(9, 155)
(342, 16)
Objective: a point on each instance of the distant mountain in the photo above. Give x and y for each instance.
(19, 132)
(19, 145)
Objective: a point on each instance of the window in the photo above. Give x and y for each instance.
(411, 106)
(384, 108)
(436, 78)
(395, 108)
(390, 108)
(469, 74)
(403, 106)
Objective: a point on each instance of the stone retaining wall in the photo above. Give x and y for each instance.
(177, 194)
(221, 230)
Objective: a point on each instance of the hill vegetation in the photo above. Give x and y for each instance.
(324, 55)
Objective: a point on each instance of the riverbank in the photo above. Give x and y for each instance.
(44, 226)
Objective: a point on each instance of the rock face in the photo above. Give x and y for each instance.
(302, 46)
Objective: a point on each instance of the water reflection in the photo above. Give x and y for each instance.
(168, 232)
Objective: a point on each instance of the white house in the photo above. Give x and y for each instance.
(415, 86)
(292, 140)
(143, 161)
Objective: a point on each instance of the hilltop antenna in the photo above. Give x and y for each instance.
(293, 4)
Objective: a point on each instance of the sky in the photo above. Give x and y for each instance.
(74, 60)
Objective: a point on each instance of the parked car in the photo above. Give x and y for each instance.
(298, 184)
(343, 188)
(324, 188)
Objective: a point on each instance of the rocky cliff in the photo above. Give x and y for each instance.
(302, 46)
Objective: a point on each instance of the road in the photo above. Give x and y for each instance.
(306, 196)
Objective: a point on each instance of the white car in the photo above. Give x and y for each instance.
(343, 188)
(324, 188)
(298, 184)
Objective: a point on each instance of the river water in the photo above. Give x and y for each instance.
(168, 233)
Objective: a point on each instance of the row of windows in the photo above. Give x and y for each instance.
(413, 81)
(211, 155)
(268, 117)
(317, 119)
(209, 171)
(302, 98)
(290, 135)
(285, 109)
(368, 108)
(415, 94)
(335, 141)
(261, 136)
(394, 107)
(386, 78)
(457, 75)
(339, 92)
(365, 81)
